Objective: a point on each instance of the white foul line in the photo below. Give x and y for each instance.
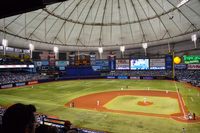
(191, 99)
(183, 101)
(180, 99)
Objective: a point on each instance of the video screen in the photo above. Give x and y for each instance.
(101, 65)
(122, 64)
(61, 68)
(157, 64)
(96, 68)
(139, 64)
(62, 63)
(45, 63)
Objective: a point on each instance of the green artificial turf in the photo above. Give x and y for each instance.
(49, 98)
(161, 105)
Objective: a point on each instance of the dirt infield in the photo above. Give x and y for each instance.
(142, 103)
(97, 100)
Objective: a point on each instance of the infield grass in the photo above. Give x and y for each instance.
(161, 105)
(49, 98)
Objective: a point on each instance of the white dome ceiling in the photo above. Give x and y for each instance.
(88, 24)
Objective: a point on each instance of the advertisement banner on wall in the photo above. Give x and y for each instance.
(92, 59)
(134, 77)
(6, 86)
(191, 59)
(38, 63)
(147, 77)
(20, 84)
(194, 66)
(17, 50)
(168, 62)
(31, 66)
(122, 77)
(112, 62)
(9, 49)
(110, 77)
(32, 82)
(13, 66)
(62, 63)
(180, 66)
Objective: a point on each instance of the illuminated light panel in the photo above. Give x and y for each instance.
(182, 3)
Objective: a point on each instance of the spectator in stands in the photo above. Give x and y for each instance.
(14, 77)
(68, 128)
(194, 116)
(73, 130)
(19, 118)
(46, 129)
(67, 125)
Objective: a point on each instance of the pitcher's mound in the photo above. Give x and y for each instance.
(142, 103)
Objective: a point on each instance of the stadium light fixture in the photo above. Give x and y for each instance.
(144, 45)
(100, 49)
(56, 50)
(31, 47)
(5, 44)
(169, 49)
(122, 48)
(4, 41)
(183, 2)
(194, 39)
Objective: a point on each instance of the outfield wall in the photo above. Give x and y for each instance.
(139, 77)
(18, 84)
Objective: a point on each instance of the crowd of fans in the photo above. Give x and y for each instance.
(13, 77)
(13, 61)
(190, 76)
(20, 118)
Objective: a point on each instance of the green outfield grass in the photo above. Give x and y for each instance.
(49, 98)
(161, 105)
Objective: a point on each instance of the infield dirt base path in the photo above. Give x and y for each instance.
(97, 100)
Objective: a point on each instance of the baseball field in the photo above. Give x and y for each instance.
(119, 106)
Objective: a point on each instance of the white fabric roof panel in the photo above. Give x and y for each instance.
(88, 24)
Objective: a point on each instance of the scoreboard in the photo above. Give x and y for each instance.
(79, 60)
(101, 65)
(122, 64)
(157, 64)
(139, 64)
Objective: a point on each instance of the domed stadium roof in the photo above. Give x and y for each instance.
(88, 24)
